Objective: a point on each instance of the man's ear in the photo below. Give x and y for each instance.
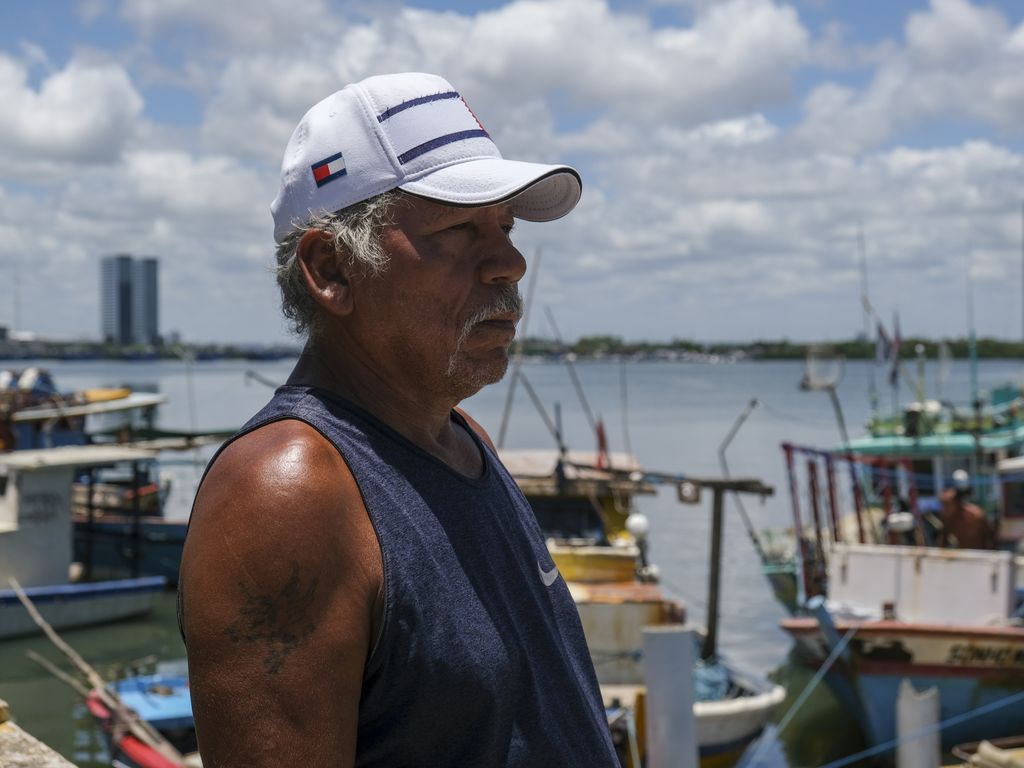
(326, 272)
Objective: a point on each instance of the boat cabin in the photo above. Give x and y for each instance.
(35, 508)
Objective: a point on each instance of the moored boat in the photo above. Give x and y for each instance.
(940, 618)
(35, 542)
(164, 702)
(585, 505)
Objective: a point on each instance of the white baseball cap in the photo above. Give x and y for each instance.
(412, 131)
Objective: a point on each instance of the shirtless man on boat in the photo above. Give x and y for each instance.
(964, 524)
(363, 582)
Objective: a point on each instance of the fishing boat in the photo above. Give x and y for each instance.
(35, 542)
(906, 459)
(133, 738)
(163, 701)
(118, 513)
(897, 607)
(34, 414)
(584, 504)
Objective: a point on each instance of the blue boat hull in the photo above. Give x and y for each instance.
(65, 606)
(958, 696)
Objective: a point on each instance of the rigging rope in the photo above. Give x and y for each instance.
(926, 730)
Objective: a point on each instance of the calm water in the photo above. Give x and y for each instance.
(677, 414)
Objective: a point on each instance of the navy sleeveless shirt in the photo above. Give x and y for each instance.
(481, 658)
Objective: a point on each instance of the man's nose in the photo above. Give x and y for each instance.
(503, 262)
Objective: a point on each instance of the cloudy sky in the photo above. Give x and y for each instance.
(731, 151)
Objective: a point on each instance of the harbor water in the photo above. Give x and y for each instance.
(673, 416)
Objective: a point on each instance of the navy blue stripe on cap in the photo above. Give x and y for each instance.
(440, 141)
(415, 103)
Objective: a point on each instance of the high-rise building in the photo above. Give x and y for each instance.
(129, 299)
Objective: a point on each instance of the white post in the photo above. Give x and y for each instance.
(669, 651)
(917, 710)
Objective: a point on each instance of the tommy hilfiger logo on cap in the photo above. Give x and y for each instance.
(328, 169)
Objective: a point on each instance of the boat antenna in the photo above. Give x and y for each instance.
(553, 428)
(570, 359)
(822, 373)
(945, 366)
(866, 308)
(754, 538)
(624, 401)
(517, 360)
(256, 376)
(972, 340)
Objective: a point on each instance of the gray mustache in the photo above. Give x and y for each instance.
(507, 302)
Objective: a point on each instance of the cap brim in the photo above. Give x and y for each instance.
(537, 192)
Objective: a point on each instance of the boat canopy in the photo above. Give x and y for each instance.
(953, 443)
(73, 456)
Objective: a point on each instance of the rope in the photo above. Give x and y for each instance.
(634, 745)
(808, 690)
(928, 729)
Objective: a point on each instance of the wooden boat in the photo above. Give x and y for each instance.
(936, 617)
(35, 542)
(912, 455)
(34, 414)
(163, 702)
(584, 503)
(133, 740)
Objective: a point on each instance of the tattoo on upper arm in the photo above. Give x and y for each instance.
(279, 623)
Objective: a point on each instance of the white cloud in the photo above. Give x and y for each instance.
(84, 113)
(521, 64)
(227, 26)
(705, 213)
(958, 61)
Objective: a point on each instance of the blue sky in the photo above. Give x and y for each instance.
(730, 151)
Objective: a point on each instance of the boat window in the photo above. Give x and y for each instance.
(1013, 493)
(924, 477)
(568, 517)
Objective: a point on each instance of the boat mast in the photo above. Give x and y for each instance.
(866, 309)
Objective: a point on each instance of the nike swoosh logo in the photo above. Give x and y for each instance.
(548, 577)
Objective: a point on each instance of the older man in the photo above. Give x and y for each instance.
(363, 582)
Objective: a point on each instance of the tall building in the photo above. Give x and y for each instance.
(129, 299)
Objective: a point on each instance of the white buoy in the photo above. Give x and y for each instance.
(669, 651)
(916, 711)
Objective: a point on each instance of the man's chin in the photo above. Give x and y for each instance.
(469, 376)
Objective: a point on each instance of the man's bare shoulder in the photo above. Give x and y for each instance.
(280, 583)
(279, 503)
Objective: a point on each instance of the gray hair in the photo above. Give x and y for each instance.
(355, 231)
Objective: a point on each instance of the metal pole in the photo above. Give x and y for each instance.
(710, 641)
(839, 417)
(858, 499)
(814, 491)
(754, 538)
(833, 512)
(518, 361)
(136, 521)
(908, 467)
(803, 583)
(90, 518)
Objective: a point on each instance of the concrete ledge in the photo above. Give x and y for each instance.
(21, 750)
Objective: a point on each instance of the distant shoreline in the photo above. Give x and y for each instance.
(584, 348)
